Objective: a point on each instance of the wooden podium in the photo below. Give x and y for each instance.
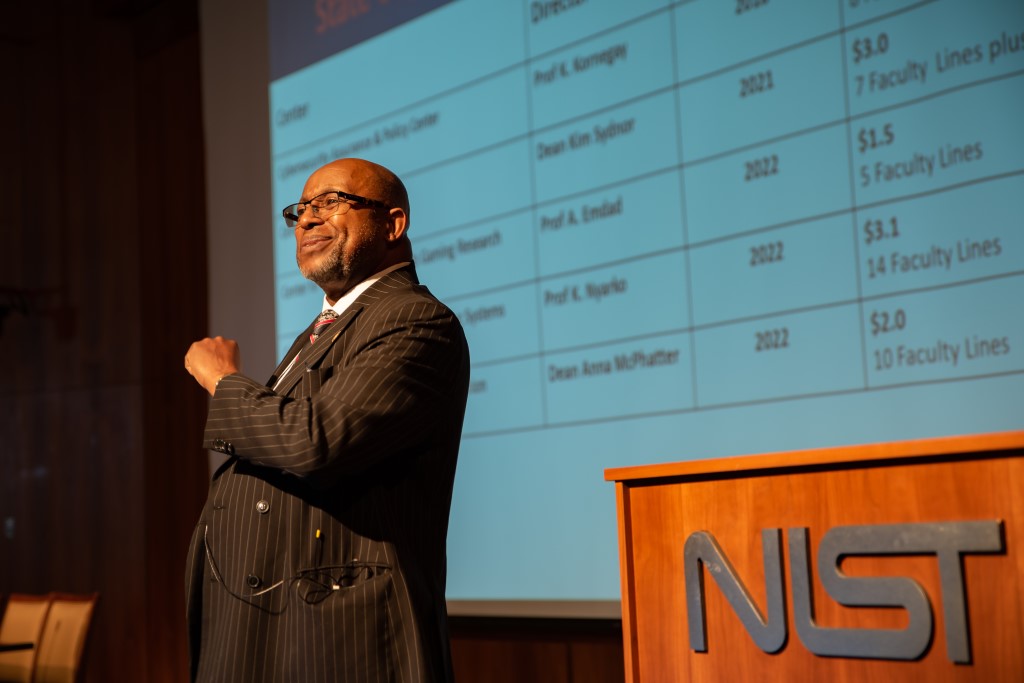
(734, 569)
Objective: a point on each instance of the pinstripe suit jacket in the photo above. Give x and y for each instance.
(359, 441)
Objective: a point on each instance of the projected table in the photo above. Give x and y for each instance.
(652, 208)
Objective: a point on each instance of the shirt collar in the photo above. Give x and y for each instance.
(342, 304)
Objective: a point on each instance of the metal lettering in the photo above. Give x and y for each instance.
(875, 643)
(948, 541)
(702, 548)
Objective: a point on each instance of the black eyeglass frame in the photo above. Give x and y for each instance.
(292, 213)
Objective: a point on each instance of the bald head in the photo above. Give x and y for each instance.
(381, 183)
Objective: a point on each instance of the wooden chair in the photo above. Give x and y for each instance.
(64, 636)
(22, 623)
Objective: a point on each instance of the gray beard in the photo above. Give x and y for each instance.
(336, 266)
(331, 268)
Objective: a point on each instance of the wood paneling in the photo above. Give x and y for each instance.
(512, 650)
(102, 276)
(930, 481)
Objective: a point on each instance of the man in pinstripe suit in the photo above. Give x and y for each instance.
(320, 553)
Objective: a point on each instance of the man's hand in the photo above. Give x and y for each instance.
(210, 359)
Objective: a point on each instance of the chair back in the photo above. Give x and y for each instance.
(64, 636)
(22, 623)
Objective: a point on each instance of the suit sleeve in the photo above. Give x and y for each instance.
(407, 378)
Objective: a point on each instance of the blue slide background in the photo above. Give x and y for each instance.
(682, 230)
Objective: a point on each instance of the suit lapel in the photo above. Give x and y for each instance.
(290, 354)
(309, 355)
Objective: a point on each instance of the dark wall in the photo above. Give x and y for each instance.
(490, 650)
(102, 288)
(103, 285)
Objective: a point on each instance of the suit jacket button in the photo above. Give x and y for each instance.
(262, 507)
(253, 581)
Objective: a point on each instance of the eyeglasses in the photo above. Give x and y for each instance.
(327, 204)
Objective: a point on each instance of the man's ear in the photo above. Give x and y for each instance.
(398, 222)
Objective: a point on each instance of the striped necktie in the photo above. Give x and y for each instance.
(321, 323)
